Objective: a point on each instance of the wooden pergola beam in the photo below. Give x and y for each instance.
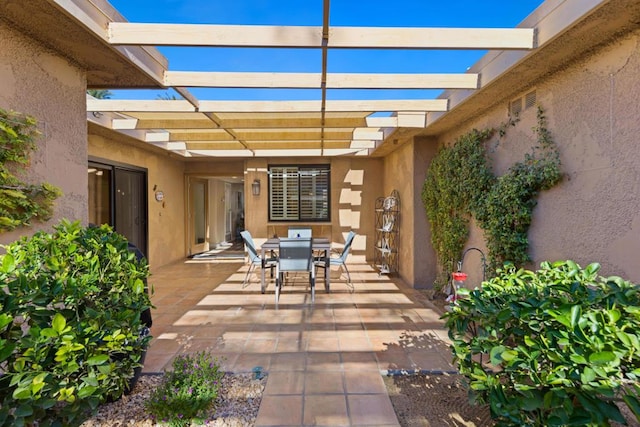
(152, 34)
(314, 80)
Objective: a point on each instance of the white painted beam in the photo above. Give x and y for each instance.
(412, 119)
(125, 105)
(314, 80)
(157, 137)
(124, 124)
(242, 80)
(362, 143)
(402, 81)
(382, 122)
(431, 38)
(367, 133)
(213, 35)
(388, 105)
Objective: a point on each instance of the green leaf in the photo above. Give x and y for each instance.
(8, 263)
(86, 391)
(587, 375)
(59, 323)
(602, 358)
(576, 312)
(633, 404)
(98, 360)
(24, 411)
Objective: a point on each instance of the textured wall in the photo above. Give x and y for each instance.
(36, 82)
(355, 185)
(594, 117)
(166, 219)
(404, 170)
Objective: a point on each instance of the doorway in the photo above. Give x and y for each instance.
(117, 197)
(198, 228)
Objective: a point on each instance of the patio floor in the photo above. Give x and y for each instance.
(324, 360)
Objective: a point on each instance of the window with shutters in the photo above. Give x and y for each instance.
(299, 193)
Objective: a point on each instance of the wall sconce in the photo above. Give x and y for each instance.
(255, 187)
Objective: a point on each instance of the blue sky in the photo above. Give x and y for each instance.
(374, 13)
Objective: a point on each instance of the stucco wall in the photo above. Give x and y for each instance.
(167, 218)
(355, 185)
(404, 171)
(36, 82)
(594, 117)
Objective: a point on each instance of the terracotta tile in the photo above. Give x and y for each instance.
(260, 346)
(323, 344)
(324, 383)
(325, 410)
(364, 382)
(371, 410)
(280, 411)
(287, 346)
(355, 344)
(291, 382)
(318, 361)
(247, 361)
(359, 360)
(294, 361)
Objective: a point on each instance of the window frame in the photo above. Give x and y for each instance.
(323, 168)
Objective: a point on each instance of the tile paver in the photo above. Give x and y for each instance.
(324, 360)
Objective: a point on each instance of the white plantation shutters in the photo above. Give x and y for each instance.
(283, 193)
(299, 193)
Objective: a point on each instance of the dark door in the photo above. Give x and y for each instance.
(130, 207)
(117, 196)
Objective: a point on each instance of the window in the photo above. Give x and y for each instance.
(299, 193)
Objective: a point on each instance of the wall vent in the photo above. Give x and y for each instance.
(530, 100)
(515, 107)
(523, 103)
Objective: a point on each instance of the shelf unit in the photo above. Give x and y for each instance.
(387, 222)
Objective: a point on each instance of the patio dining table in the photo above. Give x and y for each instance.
(317, 243)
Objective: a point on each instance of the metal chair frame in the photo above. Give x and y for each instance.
(341, 259)
(255, 258)
(295, 255)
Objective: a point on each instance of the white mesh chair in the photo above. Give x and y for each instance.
(295, 255)
(341, 259)
(254, 257)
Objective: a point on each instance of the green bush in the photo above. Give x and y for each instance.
(186, 392)
(70, 329)
(563, 345)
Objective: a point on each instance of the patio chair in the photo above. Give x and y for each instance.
(295, 255)
(341, 259)
(254, 257)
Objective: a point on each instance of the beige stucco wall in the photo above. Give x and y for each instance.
(36, 82)
(167, 218)
(594, 117)
(404, 171)
(355, 185)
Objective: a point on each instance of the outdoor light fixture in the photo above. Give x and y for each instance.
(255, 187)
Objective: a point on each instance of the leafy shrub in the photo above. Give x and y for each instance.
(188, 391)
(70, 329)
(563, 342)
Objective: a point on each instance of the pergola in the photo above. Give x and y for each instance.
(193, 127)
(117, 54)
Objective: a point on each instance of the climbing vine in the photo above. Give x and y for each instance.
(20, 202)
(455, 178)
(460, 185)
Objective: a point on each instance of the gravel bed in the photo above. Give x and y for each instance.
(237, 404)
